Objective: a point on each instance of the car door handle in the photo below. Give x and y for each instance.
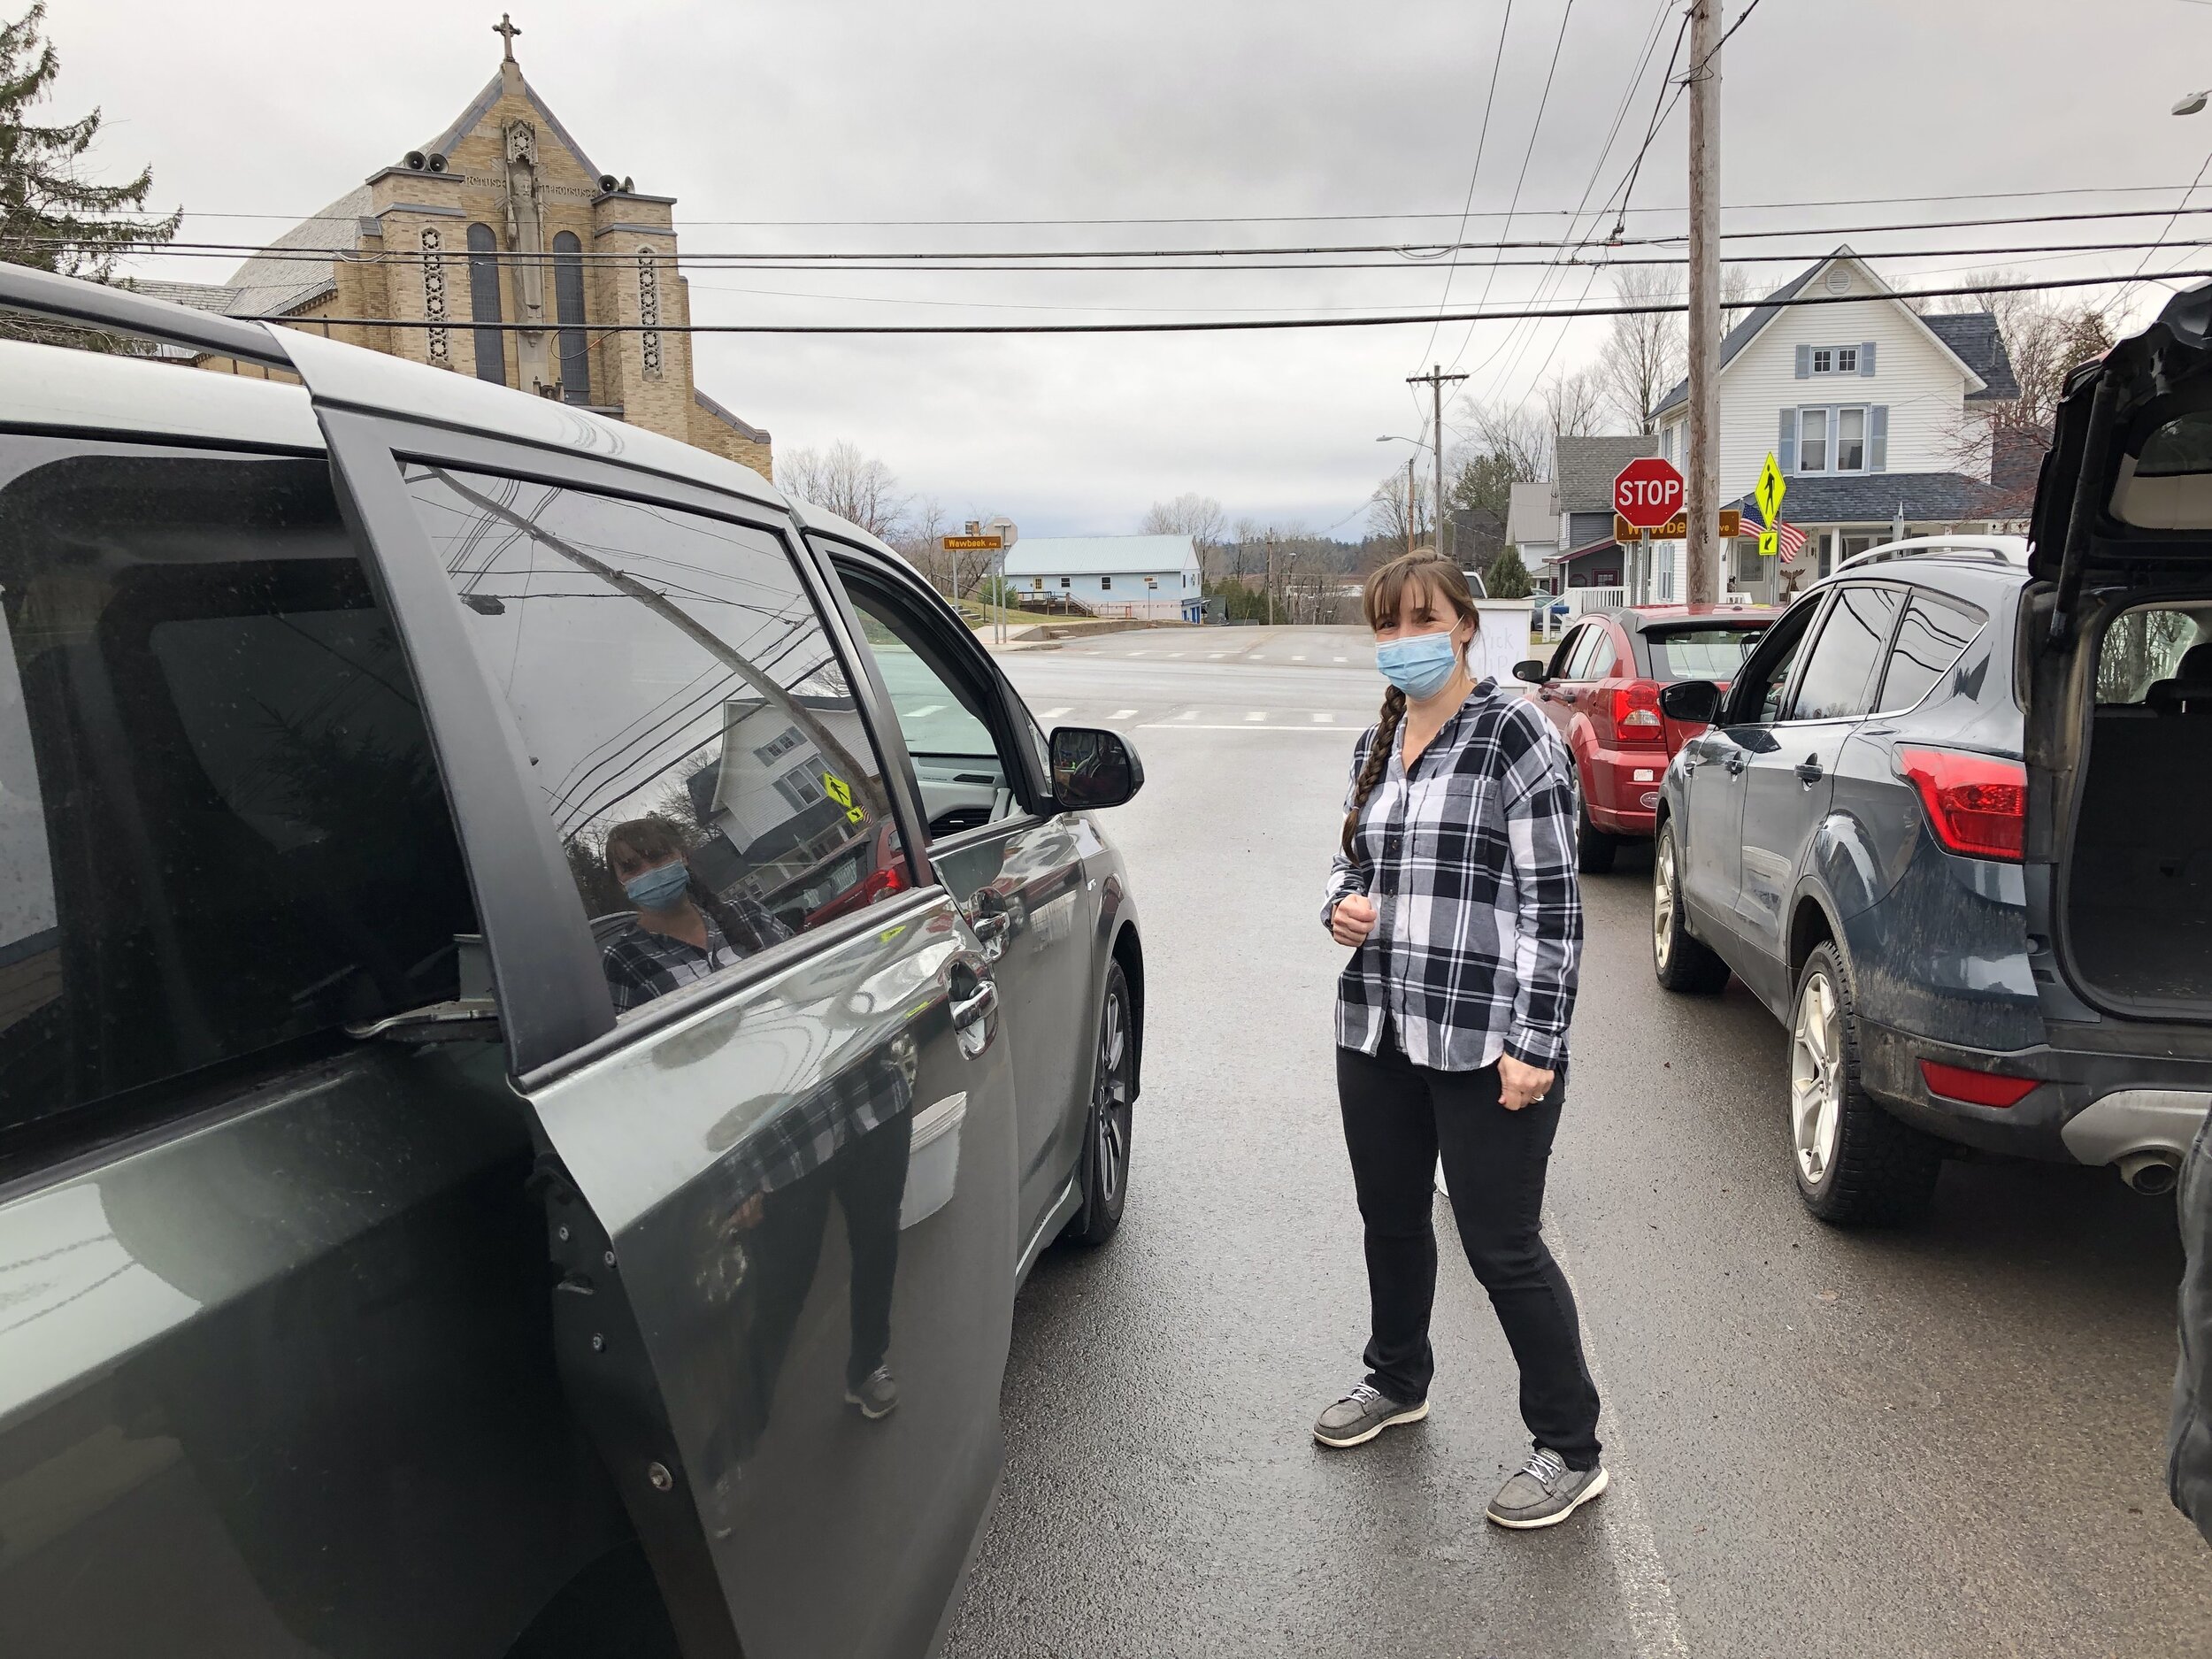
(1809, 771)
(1735, 763)
(977, 1009)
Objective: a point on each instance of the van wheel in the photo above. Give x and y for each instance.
(1855, 1163)
(1106, 1153)
(1680, 962)
(1593, 847)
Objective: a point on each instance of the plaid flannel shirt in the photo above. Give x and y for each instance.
(640, 965)
(1470, 865)
(807, 1132)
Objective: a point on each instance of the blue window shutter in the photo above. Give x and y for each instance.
(1878, 438)
(1786, 445)
(1866, 359)
(1804, 362)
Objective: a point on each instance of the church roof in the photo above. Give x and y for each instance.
(481, 104)
(269, 283)
(744, 429)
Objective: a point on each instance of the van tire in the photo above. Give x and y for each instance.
(1854, 1164)
(1680, 961)
(1107, 1124)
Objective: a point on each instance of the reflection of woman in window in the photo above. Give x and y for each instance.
(682, 932)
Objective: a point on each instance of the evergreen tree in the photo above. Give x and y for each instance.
(52, 216)
(1508, 578)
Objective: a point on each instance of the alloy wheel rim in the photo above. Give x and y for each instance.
(1815, 1077)
(1663, 902)
(1110, 1117)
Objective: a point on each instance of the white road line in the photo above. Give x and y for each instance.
(1187, 714)
(927, 708)
(1324, 718)
(1188, 725)
(1145, 652)
(1121, 714)
(1054, 714)
(1336, 659)
(1652, 1617)
(1179, 653)
(1255, 657)
(1297, 659)
(1215, 657)
(1256, 715)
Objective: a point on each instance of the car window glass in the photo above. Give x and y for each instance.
(1699, 653)
(2145, 647)
(221, 826)
(688, 730)
(1838, 678)
(963, 779)
(1603, 655)
(1759, 690)
(1586, 645)
(1932, 637)
(1562, 657)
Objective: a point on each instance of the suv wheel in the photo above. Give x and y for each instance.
(1593, 847)
(1106, 1157)
(1680, 962)
(1855, 1163)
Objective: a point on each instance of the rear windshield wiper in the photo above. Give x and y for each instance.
(463, 1019)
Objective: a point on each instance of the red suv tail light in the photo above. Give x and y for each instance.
(1976, 1088)
(1636, 713)
(1977, 804)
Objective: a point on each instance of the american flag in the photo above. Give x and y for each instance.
(1790, 539)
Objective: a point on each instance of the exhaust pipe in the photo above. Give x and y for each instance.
(2152, 1173)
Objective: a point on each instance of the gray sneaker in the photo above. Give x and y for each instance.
(1363, 1414)
(877, 1395)
(1545, 1491)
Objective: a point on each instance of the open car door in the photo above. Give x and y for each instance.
(780, 1198)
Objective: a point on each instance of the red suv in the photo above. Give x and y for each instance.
(1602, 690)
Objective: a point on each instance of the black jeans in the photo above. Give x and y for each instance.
(1398, 1117)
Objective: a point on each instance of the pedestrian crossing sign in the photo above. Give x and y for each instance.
(1769, 493)
(841, 792)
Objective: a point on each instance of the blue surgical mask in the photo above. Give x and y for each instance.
(1420, 665)
(658, 889)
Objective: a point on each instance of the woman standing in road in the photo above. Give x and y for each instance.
(1455, 888)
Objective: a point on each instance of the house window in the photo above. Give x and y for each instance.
(1824, 360)
(801, 789)
(1812, 440)
(1037, 584)
(1829, 359)
(1847, 359)
(1831, 440)
(1065, 582)
(1105, 584)
(776, 748)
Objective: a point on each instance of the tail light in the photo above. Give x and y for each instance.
(881, 884)
(1976, 1088)
(1636, 713)
(1977, 804)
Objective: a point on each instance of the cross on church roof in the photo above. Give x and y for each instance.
(505, 27)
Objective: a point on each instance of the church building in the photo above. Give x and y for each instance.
(500, 219)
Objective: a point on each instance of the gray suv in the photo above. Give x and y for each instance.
(1949, 825)
(548, 997)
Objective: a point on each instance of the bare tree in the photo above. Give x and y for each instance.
(849, 484)
(1740, 291)
(921, 538)
(1191, 514)
(2044, 339)
(1386, 508)
(1574, 404)
(1642, 358)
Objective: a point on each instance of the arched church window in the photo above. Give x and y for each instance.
(491, 343)
(568, 302)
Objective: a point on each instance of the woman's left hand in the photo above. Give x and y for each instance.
(1520, 1083)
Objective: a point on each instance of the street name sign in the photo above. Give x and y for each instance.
(973, 543)
(1648, 493)
(1678, 526)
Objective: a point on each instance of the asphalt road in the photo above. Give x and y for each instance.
(1942, 1441)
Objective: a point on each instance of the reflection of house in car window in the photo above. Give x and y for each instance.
(802, 789)
(783, 745)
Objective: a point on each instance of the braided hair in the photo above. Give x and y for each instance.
(1432, 577)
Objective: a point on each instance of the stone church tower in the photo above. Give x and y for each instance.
(502, 218)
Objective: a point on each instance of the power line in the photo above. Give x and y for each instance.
(1266, 218)
(1482, 139)
(1236, 325)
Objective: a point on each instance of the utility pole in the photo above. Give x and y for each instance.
(1435, 379)
(1411, 498)
(1271, 579)
(1701, 503)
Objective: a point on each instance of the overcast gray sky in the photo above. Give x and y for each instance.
(860, 110)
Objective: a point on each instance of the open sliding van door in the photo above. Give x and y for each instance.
(784, 1325)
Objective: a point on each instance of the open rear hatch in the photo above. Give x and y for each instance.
(2116, 666)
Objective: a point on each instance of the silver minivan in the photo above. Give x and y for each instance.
(548, 997)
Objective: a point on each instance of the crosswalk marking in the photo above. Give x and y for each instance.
(1181, 726)
(1121, 714)
(1054, 714)
(1297, 659)
(1324, 718)
(1142, 652)
(1337, 659)
(1256, 715)
(1187, 714)
(1178, 653)
(927, 709)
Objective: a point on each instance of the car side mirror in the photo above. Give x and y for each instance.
(1691, 701)
(1093, 768)
(1531, 669)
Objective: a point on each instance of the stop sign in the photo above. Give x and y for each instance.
(1647, 492)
